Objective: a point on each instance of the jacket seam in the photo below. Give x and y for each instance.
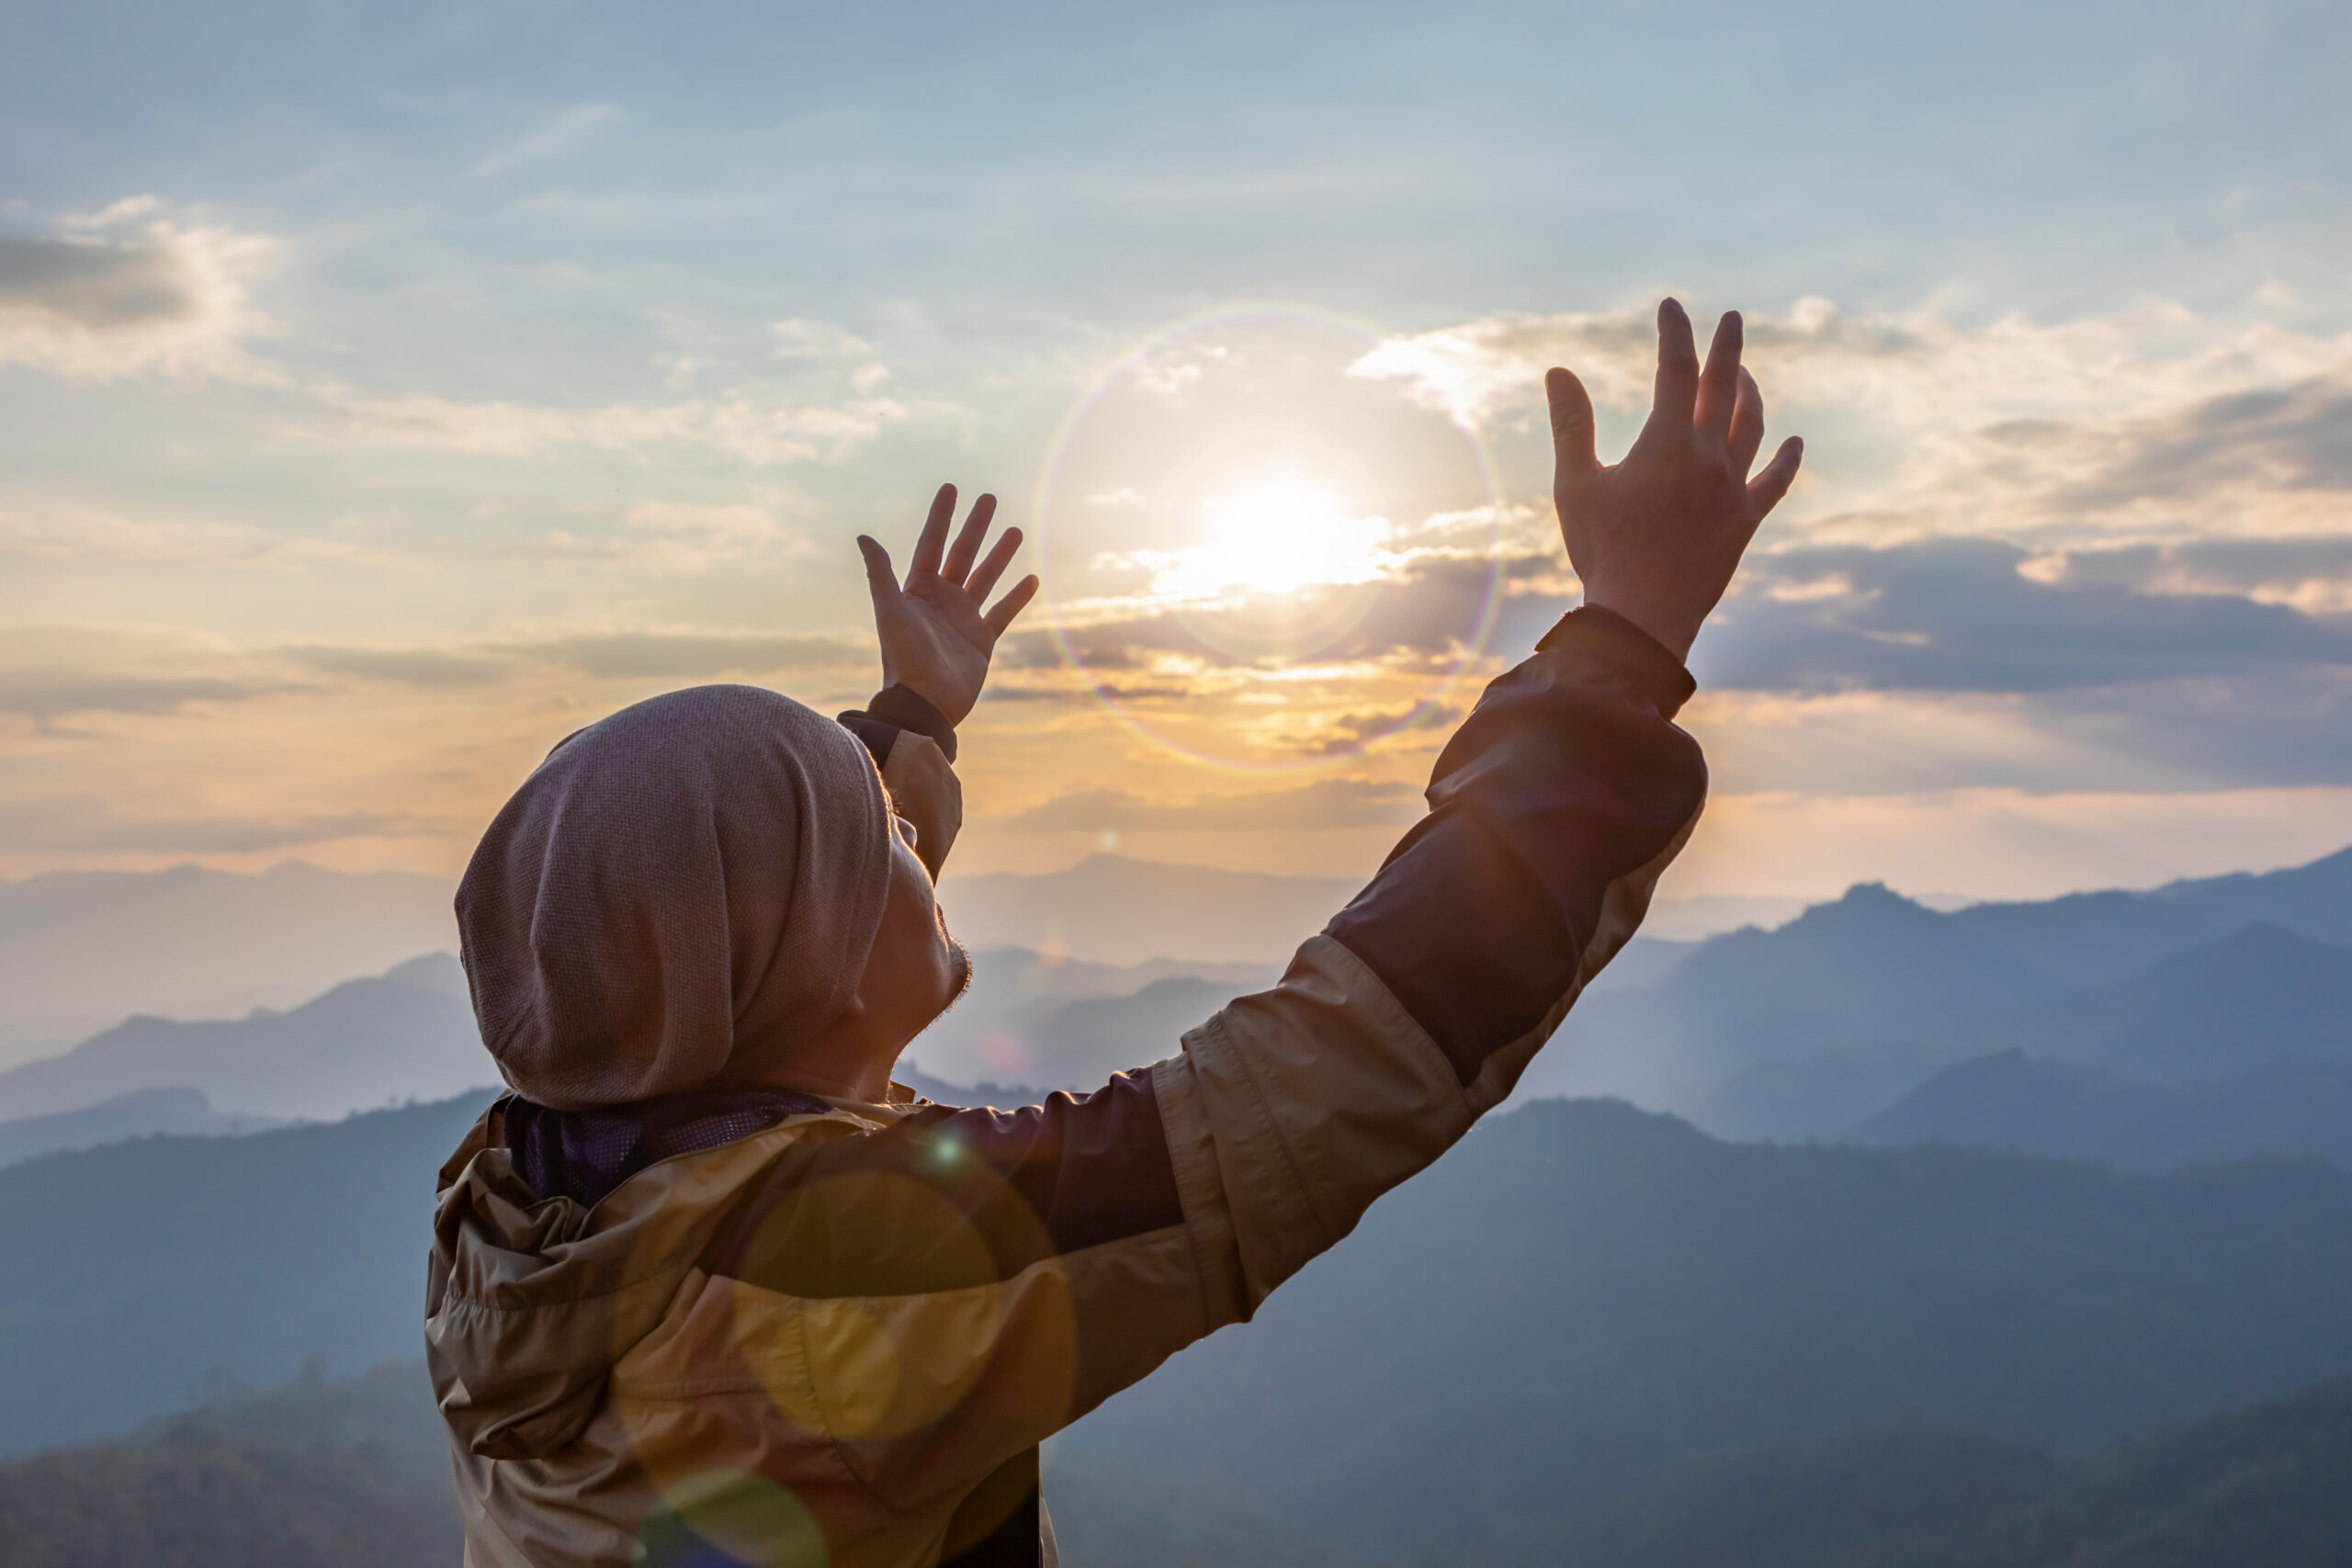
(1197, 1242)
(1400, 1017)
(1272, 1123)
(834, 1442)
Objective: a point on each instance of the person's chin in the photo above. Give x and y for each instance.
(961, 957)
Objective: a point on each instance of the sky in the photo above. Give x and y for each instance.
(386, 392)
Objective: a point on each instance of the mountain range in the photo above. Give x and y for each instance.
(83, 949)
(353, 1473)
(1821, 1028)
(1811, 1028)
(1576, 1300)
(405, 1034)
(2012, 1100)
(140, 1113)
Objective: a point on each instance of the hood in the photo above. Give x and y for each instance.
(530, 1301)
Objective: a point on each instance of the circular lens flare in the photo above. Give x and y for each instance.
(1230, 526)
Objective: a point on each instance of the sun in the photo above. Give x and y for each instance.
(1272, 536)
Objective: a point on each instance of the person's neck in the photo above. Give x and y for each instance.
(838, 1063)
(870, 1086)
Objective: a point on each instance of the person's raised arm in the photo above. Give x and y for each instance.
(1552, 812)
(936, 641)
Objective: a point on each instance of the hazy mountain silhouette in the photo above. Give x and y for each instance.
(2089, 938)
(2012, 1100)
(1805, 1030)
(1577, 1298)
(1583, 1297)
(1070, 1023)
(1110, 910)
(140, 1114)
(2263, 1485)
(81, 950)
(409, 1034)
(310, 1475)
(406, 1034)
(136, 1269)
(319, 1473)
(2262, 992)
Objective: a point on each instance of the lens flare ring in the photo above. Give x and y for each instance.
(1279, 572)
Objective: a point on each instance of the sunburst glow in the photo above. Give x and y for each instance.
(1272, 536)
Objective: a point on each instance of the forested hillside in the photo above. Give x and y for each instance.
(353, 1475)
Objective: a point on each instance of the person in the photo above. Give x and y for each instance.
(707, 1287)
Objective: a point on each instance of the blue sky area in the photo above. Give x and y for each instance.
(383, 393)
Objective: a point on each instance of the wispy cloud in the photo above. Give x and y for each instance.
(1323, 804)
(130, 292)
(1972, 614)
(87, 827)
(681, 655)
(50, 673)
(754, 428)
(80, 534)
(1920, 371)
(561, 133)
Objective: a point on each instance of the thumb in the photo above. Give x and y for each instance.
(1573, 458)
(881, 581)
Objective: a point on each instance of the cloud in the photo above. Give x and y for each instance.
(1914, 372)
(1323, 804)
(696, 538)
(752, 427)
(1346, 732)
(112, 297)
(644, 655)
(86, 535)
(2290, 728)
(2314, 575)
(560, 134)
(1963, 615)
(1428, 609)
(2293, 438)
(51, 694)
(431, 668)
(47, 673)
(798, 338)
(2154, 421)
(81, 827)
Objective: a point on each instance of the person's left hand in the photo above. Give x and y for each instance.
(935, 639)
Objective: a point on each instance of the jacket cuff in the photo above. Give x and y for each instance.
(1657, 676)
(894, 708)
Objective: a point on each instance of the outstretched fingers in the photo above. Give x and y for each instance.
(1573, 459)
(984, 576)
(932, 541)
(1747, 424)
(968, 539)
(1765, 490)
(1719, 382)
(1677, 395)
(1016, 599)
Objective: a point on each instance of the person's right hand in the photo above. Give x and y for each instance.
(935, 639)
(1656, 538)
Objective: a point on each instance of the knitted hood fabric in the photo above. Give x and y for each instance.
(698, 872)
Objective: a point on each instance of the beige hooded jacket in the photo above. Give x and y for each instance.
(837, 1333)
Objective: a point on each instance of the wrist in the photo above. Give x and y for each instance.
(1674, 630)
(1653, 672)
(906, 706)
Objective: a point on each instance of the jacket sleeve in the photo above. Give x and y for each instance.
(963, 1283)
(1553, 811)
(914, 746)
